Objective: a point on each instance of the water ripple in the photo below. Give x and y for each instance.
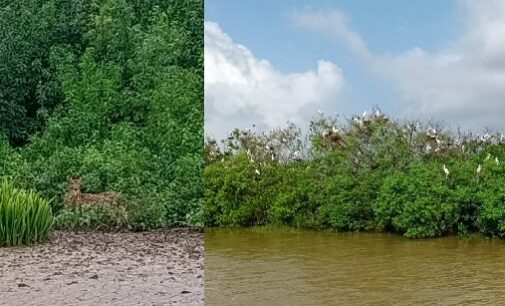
(246, 267)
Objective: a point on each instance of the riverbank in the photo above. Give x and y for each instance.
(146, 268)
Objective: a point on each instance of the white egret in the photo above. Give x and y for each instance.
(487, 157)
(446, 171)
(257, 172)
(497, 161)
(479, 169)
(358, 121)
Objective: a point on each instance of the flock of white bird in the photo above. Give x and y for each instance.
(431, 133)
(479, 167)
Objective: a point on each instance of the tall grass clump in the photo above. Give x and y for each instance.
(25, 217)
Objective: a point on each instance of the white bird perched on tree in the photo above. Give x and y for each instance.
(357, 120)
(257, 172)
(296, 155)
(497, 161)
(487, 157)
(446, 171)
(479, 169)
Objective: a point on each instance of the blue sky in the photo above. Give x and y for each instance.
(390, 26)
(408, 42)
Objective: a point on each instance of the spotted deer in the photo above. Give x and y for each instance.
(74, 197)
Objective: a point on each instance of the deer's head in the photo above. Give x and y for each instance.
(75, 184)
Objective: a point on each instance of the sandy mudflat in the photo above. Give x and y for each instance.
(151, 268)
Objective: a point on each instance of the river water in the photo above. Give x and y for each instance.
(290, 267)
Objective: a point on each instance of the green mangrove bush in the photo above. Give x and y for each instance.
(367, 173)
(25, 217)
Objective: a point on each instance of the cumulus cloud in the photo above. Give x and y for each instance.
(463, 83)
(241, 89)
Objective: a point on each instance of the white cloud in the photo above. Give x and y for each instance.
(241, 90)
(334, 24)
(463, 83)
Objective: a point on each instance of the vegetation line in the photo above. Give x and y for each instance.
(367, 173)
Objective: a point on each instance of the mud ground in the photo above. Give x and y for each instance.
(94, 268)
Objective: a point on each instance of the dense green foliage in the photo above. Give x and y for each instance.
(367, 173)
(107, 90)
(25, 217)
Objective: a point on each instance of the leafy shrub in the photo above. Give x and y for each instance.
(418, 204)
(491, 212)
(87, 218)
(295, 200)
(25, 217)
(146, 214)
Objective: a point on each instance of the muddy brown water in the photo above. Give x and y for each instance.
(279, 267)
